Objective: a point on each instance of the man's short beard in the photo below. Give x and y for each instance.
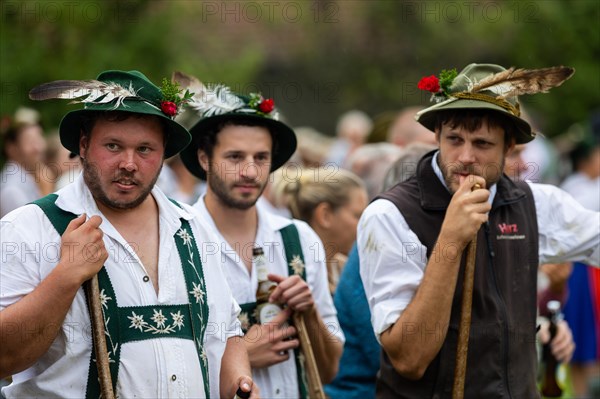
(219, 187)
(91, 176)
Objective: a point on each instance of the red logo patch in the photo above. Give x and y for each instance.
(508, 228)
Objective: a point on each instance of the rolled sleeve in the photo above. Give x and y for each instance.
(567, 231)
(392, 263)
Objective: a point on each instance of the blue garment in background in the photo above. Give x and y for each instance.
(360, 361)
(580, 314)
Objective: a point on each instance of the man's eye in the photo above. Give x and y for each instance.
(144, 150)
(112, 146)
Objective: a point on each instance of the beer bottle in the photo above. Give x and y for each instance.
(265, 311)
(550, 387)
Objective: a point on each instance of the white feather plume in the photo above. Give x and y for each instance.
(208, 100)
(83, 91)
(215, 100)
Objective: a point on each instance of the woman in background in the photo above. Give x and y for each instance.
(331, 201)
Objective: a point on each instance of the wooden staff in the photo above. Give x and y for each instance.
(92, 290)
(460, 370)
(315, 386)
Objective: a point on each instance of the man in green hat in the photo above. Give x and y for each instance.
(412, 242)
(161, 288)
(235, 145)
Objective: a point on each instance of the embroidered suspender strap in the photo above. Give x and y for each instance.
(60, 219)
(147, 322)
(112, 329)
(194, 279)
(196, 286)
(247, 316)
(136, 323)
(295, 260)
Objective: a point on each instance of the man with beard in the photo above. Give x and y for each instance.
(234, 147)
(159, 286)
(412, 242)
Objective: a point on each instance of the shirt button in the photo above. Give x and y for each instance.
(173, 377)
(146, 279)
(277, 391)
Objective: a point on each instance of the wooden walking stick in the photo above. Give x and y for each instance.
(460, 370)
(92, 290)
(315, 386)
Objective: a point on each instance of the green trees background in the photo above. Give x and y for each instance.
(316, 58)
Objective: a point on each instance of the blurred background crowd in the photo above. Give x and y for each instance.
(344, 73)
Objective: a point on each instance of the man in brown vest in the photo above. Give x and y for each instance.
(412, 242)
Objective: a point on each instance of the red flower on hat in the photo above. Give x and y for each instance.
(429, 83)
(169, 108)
(267, 105)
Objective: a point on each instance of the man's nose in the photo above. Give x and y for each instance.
(250, 169)
(128, 161)
(467, 155)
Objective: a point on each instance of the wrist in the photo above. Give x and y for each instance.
(449, 248)
(68, 279)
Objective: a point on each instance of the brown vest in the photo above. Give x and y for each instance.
(502, 360)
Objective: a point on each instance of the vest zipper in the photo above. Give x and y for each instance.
(491, 256)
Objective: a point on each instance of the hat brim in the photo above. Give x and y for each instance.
(427, 117)
(177, 137)
(284, 140)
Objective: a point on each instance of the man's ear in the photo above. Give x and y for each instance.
(510, 146)
(437, 133)
(203, 159)
(83, 145)
(323, 215)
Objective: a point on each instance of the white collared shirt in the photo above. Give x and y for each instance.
(393, 260)
(156, 368)
(280, 380)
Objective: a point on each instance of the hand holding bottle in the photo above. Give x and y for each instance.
(270, 343)
(550, 387)
(292, 291)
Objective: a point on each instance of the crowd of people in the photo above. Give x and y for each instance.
(166, 198)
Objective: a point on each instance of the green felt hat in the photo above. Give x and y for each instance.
(491, 87)
(129, 91)
(217, 105)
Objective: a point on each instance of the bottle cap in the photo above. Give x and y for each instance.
(553, 306)
(257, 251)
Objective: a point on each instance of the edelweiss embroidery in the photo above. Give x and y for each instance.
(185, 236)
(244, 320)
(198, 293)
(297, 265)
(160, 325)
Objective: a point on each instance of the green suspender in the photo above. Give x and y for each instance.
(138, 323)
(295, 260)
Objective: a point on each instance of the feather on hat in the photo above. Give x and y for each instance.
(489, 86)
(216, 104)
(121, 91)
